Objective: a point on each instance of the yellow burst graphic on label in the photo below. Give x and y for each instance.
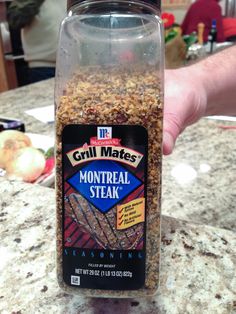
(130, 214)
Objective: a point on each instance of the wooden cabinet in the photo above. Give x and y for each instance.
(8, 78)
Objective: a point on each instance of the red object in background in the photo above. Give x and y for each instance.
(168, 19)
(50, 162)
(229, 25)
(204, 11)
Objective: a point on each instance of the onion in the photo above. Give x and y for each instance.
(27, 164)
(10, 141)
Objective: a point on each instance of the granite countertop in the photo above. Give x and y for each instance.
(15, 102)
(198, 251)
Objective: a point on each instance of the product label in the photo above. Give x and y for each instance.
(104, 198)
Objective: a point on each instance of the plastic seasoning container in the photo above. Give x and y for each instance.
(109, 107)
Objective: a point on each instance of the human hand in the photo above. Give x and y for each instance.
(185, 103)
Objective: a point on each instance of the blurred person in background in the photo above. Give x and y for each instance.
(39, 21)
(204, 11)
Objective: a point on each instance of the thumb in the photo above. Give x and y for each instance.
(168, 143)
(171, 129)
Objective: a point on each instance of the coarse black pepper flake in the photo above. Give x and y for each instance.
(17, 240)
(225, 242)
(210, 254)
(187, 246)
(44, 289)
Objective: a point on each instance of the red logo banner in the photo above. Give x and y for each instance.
(113, 142)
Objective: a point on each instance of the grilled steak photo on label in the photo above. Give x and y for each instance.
(102, 227)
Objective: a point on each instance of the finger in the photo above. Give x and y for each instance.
(171, 129)
(168, 143)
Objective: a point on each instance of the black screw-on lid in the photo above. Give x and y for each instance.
(70, 3)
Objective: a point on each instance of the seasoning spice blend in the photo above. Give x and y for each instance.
(109, 137)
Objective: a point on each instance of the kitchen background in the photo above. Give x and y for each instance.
(12, 65)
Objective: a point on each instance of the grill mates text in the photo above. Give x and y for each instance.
(116, 153)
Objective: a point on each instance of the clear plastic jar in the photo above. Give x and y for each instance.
(109, 107)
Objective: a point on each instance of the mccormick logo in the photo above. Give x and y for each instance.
(104, 133)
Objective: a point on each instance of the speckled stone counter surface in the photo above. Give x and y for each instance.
(14, 103)
(198, 227)
(199, 177)
(197, 265)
